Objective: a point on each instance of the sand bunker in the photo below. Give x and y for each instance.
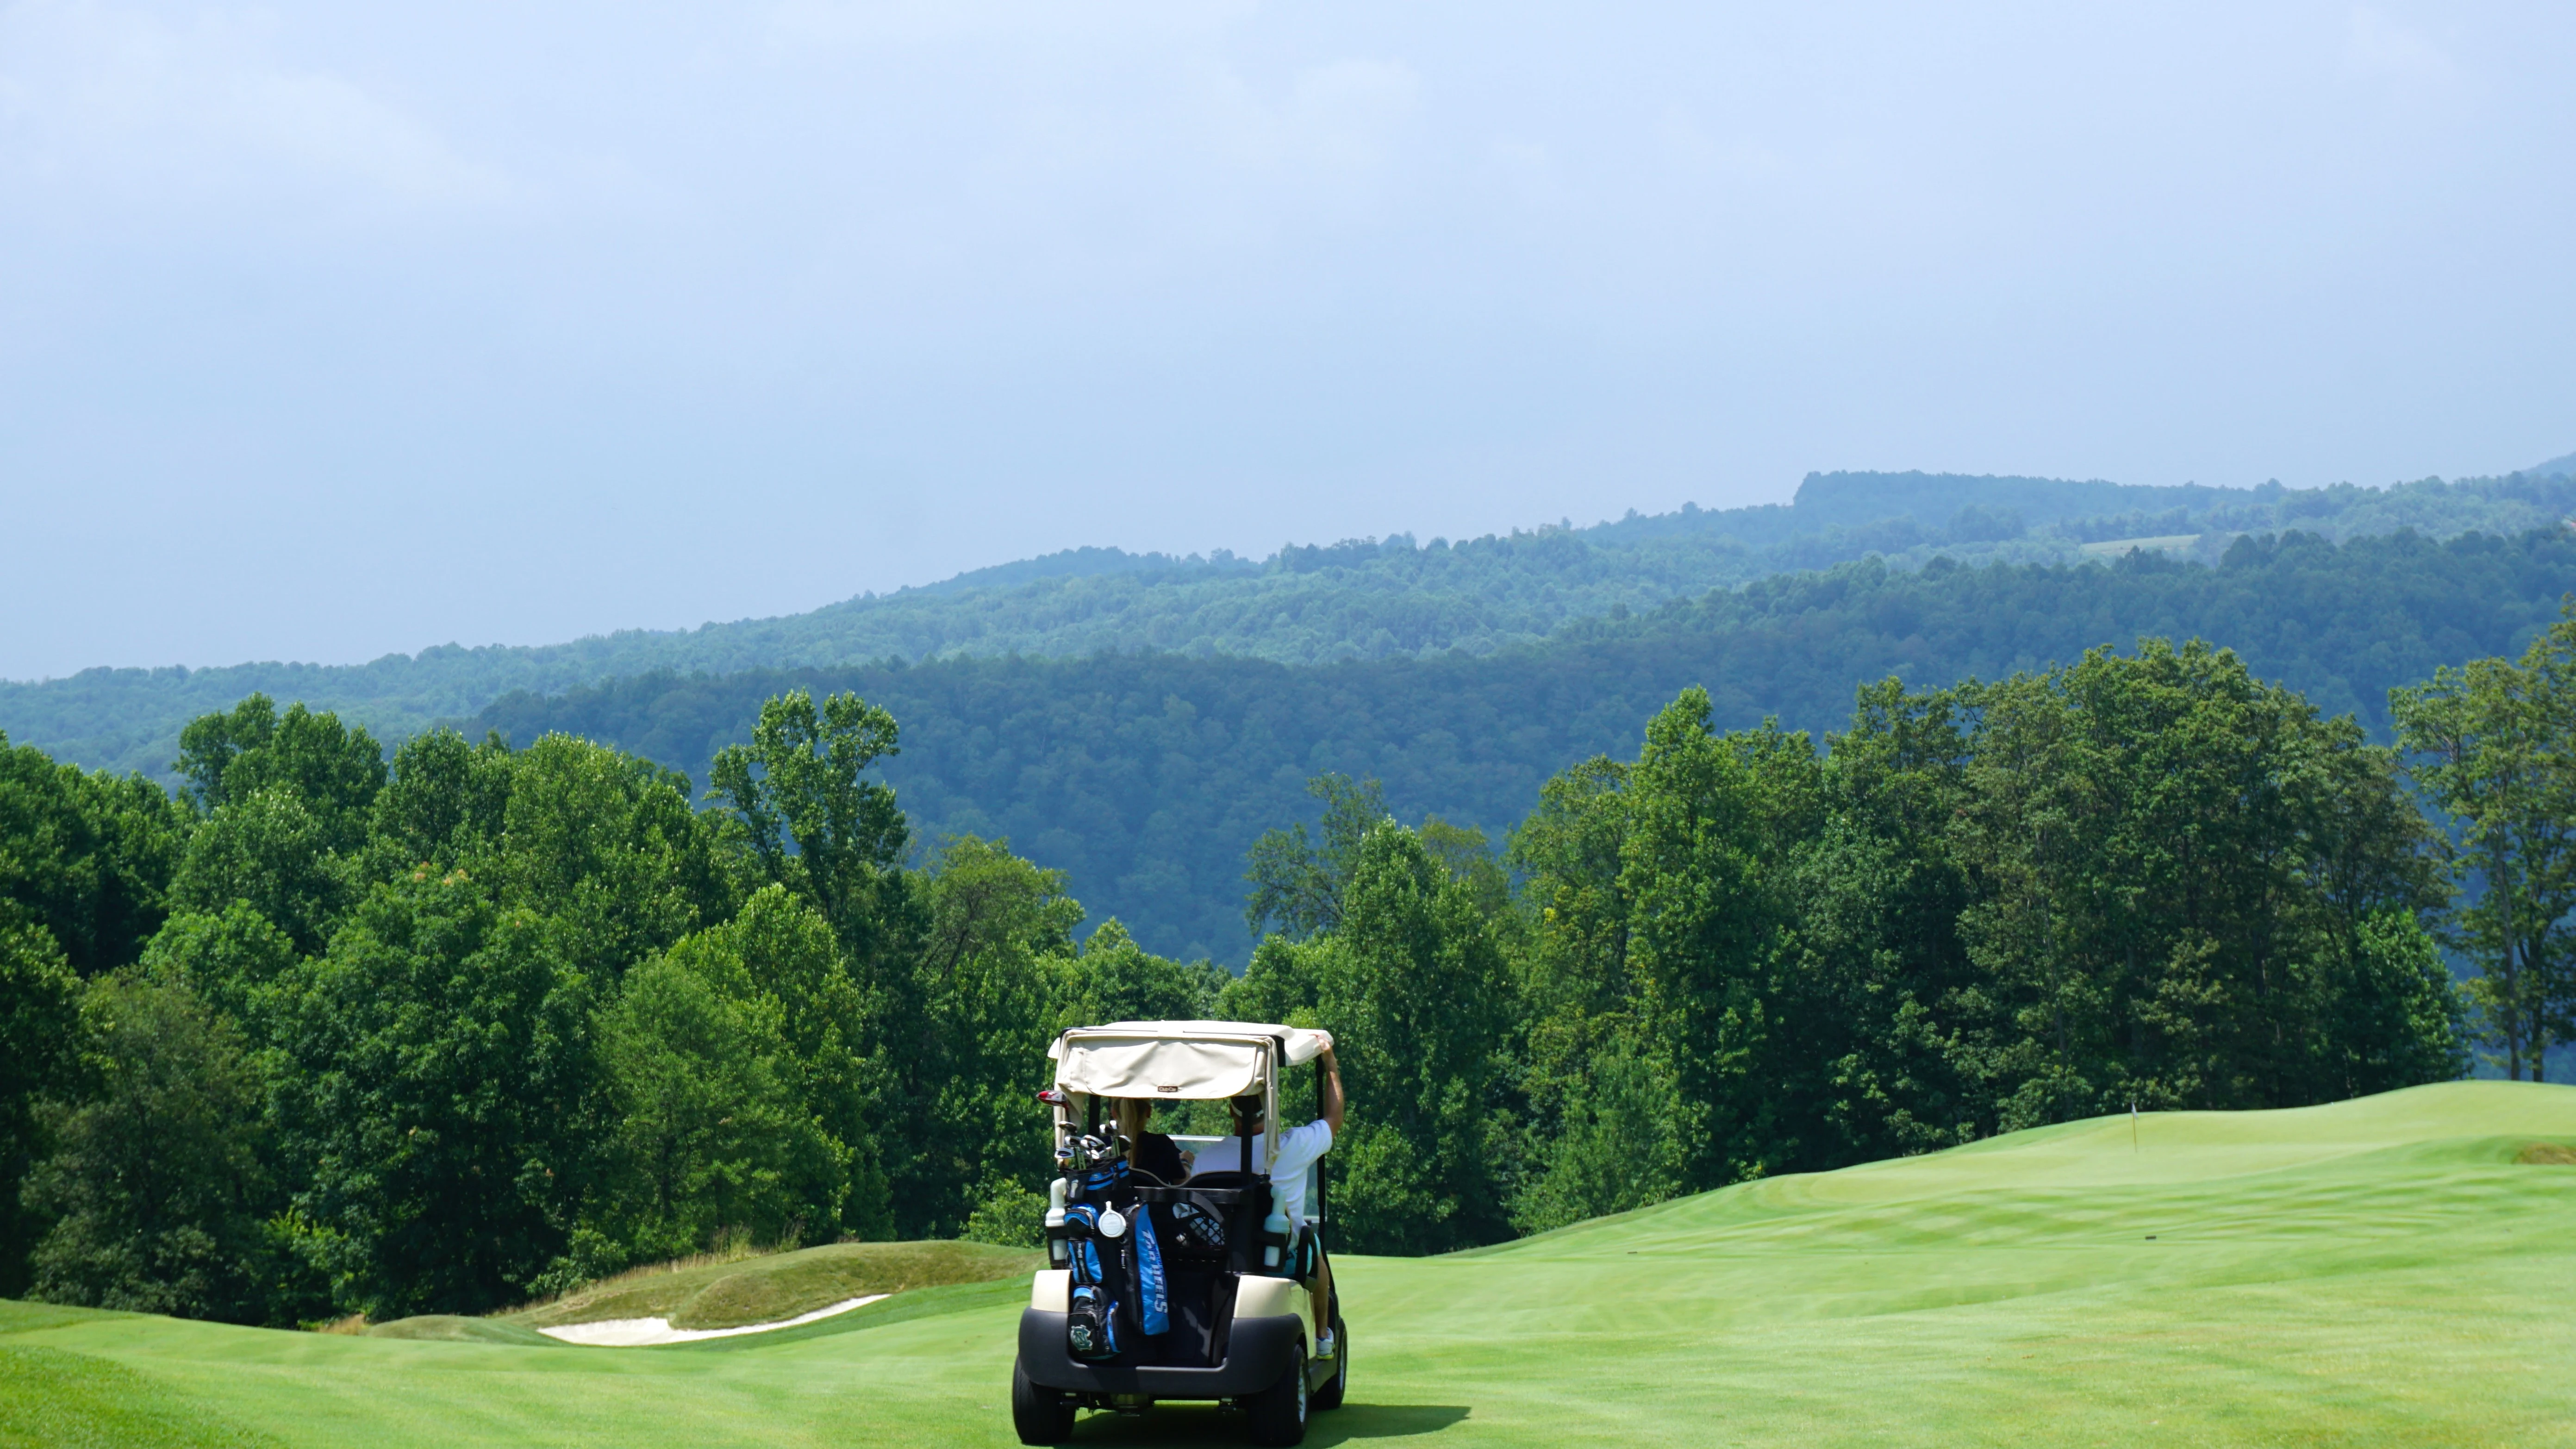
(645, 1332)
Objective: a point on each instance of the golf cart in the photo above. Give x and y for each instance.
(1186, 1290)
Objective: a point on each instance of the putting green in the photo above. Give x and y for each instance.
(2395, 1270)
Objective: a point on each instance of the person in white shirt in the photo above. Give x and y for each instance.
(1292, 1177)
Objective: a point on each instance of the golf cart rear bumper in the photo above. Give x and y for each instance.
(1258, 1351)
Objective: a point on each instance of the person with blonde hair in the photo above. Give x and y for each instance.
(1149, 1153)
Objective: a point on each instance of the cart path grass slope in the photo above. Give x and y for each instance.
(2392, 1271)
(776, 1286)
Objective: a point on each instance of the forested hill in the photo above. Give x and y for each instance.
(1147, 777)
(1356, 600)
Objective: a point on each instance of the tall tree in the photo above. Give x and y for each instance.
(605, 848)
(444, 1089)
(271, 851)
(156, 1189)
(1600, 1135)
(1415, 990)
(2493, 742)
(1117, 980)
(1708, 931)
(809, 821)
(286, 801)
(86, 855)
(231, 756)
(2173, 860)
(995, 952)
(1297, 883)
(781, 953)
(711, 1135)
(445, 799)
(1882, 979)
(40, 1058)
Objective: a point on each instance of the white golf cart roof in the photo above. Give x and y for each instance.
(1202, 1060)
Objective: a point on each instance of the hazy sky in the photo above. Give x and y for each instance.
(330, 330)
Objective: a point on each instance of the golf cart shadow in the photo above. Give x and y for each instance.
(1208, 1424)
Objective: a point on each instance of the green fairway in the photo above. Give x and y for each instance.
(2396, 1270)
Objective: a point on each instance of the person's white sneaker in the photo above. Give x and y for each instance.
(1324, 1344)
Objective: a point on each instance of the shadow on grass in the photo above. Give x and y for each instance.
(1382, 1421)
(1208, 1424)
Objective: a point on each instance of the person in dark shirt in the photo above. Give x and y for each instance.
(1149, 1153)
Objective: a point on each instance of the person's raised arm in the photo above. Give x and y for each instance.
(1332, 1092)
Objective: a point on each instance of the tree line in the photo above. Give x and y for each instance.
(1390, 600)
(1148, 777)
(326, 1033)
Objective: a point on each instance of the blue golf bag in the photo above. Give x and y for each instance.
(1116, 1260)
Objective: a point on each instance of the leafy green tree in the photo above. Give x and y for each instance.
(1882, 980)
(287, 804)
(40, 1057)
(446, 800)
(2491, 745)
(1007, 1213)
(234, 962)
(1709, 930)
(1283, 984)
(809, 822)
(1415, 990)
(2398, 1020)
(271, 851)
(445, 1090)
(1986, 907)
(710, 1134)
(155, 1190)
(227, 758)
(968, 1058)
(1606, 1142)
(780, 954)
(87, 855)
(2153, 833)
(1115, 979)
(605, 847)
(1599, 1136)
(1297, 884)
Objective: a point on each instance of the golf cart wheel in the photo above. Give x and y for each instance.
(1330, 1395)
(1278, 1413)
(1042, 1415)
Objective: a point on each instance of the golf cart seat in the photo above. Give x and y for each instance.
(1227, 1178)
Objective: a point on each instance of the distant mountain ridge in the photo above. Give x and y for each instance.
(1146, 777)
(1360, 599)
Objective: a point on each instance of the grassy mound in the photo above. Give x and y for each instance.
(448, 1328)
(2390, 1271)
(779, 1285)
